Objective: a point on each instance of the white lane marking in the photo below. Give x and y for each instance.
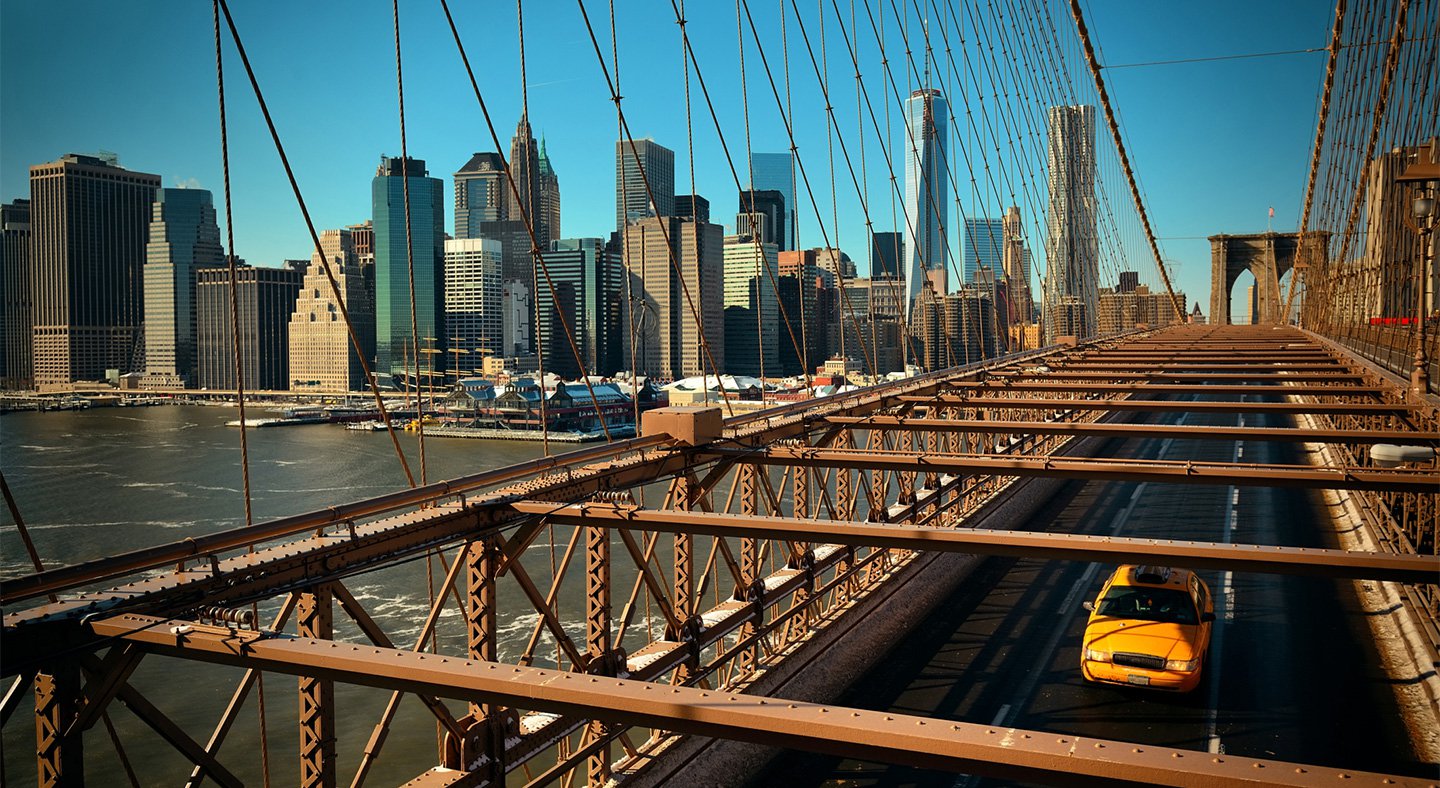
(1225, 607)
(1004, 710)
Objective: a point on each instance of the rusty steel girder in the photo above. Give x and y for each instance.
(1010, 384)
(1424, 481)
(1167, 406)
(915, 479)
(1128, 430)
(992, 751)
(1024, 544)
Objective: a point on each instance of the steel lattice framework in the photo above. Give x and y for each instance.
(778, 528)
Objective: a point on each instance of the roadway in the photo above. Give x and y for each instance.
(1292, 673)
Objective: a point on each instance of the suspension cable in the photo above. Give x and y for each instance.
(315, 239)
(409, 250)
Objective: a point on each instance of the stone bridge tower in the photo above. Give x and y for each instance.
(1269, 256)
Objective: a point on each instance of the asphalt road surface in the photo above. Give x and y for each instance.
(1291, 675)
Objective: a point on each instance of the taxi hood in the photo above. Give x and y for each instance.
(1156, 638)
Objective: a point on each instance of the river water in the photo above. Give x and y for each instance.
(105, 481)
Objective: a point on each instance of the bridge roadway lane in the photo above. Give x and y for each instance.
(1292, 674)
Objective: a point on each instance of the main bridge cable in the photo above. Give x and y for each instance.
(1120, 149)
(649, 193)
(315, 239)
(537, 259)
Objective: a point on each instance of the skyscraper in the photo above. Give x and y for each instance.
(528, 167)
(588, 281)
(1072, 282)
(692, 206)
(17, 320)
(1015, 263)
(671, 337)
(480, 194)
(473, 299)
(926, 192)
(887, 250)
(887, 283)
(774, 172)
(88, 228)
(801, 280)
(394, 342)
(752, 307)
(183, 238)
(982, 245)
(322, 357)
(549, 201)
(836, 262)
(265, 300)
(657, 163)
(762, 214)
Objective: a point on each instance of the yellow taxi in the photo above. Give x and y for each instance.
(1149, 627)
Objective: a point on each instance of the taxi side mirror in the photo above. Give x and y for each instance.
(1207, 616)
(1091, 606)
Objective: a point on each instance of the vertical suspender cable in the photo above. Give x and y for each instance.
(239, 367)
(409, 249)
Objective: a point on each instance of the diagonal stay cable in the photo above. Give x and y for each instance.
(526, 219)
(315, 239)
(650, 194)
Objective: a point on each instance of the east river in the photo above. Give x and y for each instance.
(101, 482)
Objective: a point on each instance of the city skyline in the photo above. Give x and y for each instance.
(569, 82)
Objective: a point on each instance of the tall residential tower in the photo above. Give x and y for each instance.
(1072, 282)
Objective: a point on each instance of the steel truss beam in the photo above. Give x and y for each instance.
(1122, 430)
(1190, 406)
(1238, 474)
(1275, 368)
(1393, 567)
(1177, 377)
(1005, 753)
(1007, 384)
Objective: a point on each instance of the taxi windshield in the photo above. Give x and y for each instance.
(1165, 605)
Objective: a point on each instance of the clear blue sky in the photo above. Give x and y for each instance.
(1214, 144)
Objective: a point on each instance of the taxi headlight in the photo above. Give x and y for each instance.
(1095, 655)
(1184, 665)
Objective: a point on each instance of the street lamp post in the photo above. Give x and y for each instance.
(1423, 208)
(1424, 175)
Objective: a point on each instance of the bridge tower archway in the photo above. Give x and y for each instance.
(1267, 256)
